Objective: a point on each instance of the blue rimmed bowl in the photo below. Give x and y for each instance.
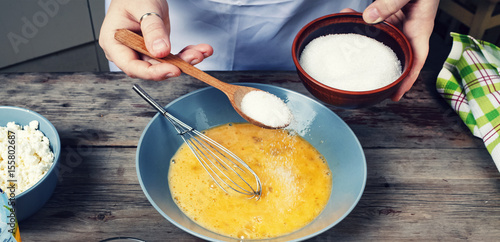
(208, 107)
(33, 199)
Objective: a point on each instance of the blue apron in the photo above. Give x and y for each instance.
(247, 34)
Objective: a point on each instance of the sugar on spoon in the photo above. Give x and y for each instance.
(274, 114)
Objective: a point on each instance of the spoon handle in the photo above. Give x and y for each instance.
(136, 42)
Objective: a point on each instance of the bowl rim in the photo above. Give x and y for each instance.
(346, 92)
(56, 154)
(187, 230)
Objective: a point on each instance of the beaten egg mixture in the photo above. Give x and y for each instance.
(296, 184)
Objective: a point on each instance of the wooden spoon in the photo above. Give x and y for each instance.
(235, 93)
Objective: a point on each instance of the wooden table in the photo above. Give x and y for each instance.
(428, 177)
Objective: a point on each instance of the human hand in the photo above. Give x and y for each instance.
(126, 14)
(416, 19)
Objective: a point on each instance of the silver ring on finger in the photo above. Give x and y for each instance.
(149, 14)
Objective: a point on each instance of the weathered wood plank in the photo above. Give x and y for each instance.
(428, 177)
(102, 109)
(410, 195)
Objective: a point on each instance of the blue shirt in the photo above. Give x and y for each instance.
(247, 34)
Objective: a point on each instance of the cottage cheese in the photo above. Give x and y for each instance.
(34, 157)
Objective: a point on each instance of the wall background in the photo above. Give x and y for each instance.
(62, 35)
(51, 36)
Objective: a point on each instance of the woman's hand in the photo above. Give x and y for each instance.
(126, 14)
(416, 19)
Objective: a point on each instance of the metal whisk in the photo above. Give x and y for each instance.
(226, 169)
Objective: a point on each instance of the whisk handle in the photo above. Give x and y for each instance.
(149, 99)
(180, 126)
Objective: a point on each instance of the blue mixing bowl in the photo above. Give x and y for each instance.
(32, 199)
(209, 107)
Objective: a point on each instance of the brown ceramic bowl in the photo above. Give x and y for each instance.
(343, 23)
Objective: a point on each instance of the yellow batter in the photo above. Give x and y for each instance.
(296, 184)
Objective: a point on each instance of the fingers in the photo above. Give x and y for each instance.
(134, 66)
(143, 67)
(147, 71)
(195, 54)
(126, 14)
(380, 10)
(418, 27)
(348, 10)
(156, 32)
(150, 69)
(420, 51)
(406, 84)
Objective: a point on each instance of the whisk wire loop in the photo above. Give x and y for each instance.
(215, 158)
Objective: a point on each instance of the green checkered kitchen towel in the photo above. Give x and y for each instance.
(470, 83)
